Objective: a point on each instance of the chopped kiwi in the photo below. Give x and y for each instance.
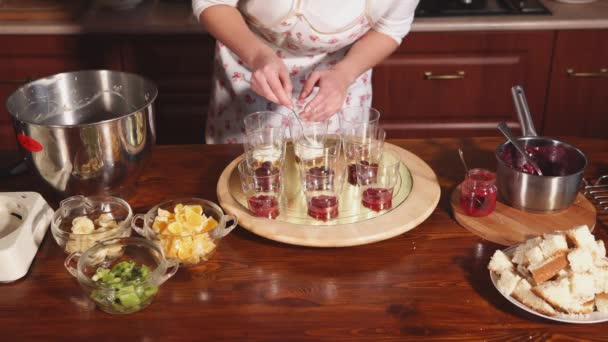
(129, 282)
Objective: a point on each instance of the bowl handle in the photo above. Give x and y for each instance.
(140, 230)
(228, 229)
(172, 267)
(68, 263)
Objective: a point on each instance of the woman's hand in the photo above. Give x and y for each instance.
(333, 85)
(270, 79)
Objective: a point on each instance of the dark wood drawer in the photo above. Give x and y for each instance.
(446, 84)
(578, 91)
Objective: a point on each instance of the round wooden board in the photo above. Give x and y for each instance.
(414, 210)
(509, 226)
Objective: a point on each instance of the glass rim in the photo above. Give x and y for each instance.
(122, 242)
(250, 117)
(480, 171)
(368, 108)
(57, 218)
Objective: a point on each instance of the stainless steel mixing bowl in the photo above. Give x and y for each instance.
(86, 132)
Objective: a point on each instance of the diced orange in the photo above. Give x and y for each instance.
(193, 219)
(175, 228)
(185, 248)
(194, 208)
(211, 223)
(159, 226)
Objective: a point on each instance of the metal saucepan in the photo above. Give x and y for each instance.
(562, 166)
(86, 132)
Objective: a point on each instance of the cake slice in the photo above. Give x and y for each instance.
(553, 244)
(582, 286)
(507, 282)
(600, 251)
(523, 293)
(600, 277)
(520, 251)
(534, 256)
(500, 262)
(581, 237)
(557, 293)
(580, 260)
(549, 268)
(601, 302)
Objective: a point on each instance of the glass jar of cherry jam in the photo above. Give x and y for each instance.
(478, 192)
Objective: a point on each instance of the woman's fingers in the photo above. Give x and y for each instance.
(286, 81)
(260, 85)
(311, 108)
(278, 90)
(309, 85)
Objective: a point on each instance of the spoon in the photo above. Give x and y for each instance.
(509, 135)
(464, 163)
(310, 141)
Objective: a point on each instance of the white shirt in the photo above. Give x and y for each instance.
(390, 17)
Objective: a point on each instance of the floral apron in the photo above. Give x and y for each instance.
(303, 50)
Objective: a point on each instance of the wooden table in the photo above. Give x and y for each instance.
(429, 283)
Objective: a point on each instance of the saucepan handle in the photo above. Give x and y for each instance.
(523, 112)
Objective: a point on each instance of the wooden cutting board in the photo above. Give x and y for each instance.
(418, 206)
(41, 9)
(509, 226)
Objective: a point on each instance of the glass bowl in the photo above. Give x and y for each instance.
(190, 249)
(92, 207)
(119, 296)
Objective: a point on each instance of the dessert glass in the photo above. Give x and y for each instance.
(378, 175)
(322, 178)
(262, 187)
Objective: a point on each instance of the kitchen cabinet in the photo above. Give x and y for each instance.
(578, 91)
(25, 58)
(181, 66)
(458, 83)
(436, 84)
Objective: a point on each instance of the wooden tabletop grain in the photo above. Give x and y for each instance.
(430, 283)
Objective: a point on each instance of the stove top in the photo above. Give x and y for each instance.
(446, 8)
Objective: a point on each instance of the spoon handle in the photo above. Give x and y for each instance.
(464, 163)
(523, 112)
(507, 132)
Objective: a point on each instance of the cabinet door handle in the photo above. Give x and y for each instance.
(602, 73)
(429, 76)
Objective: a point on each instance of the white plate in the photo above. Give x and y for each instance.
(595, 317)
